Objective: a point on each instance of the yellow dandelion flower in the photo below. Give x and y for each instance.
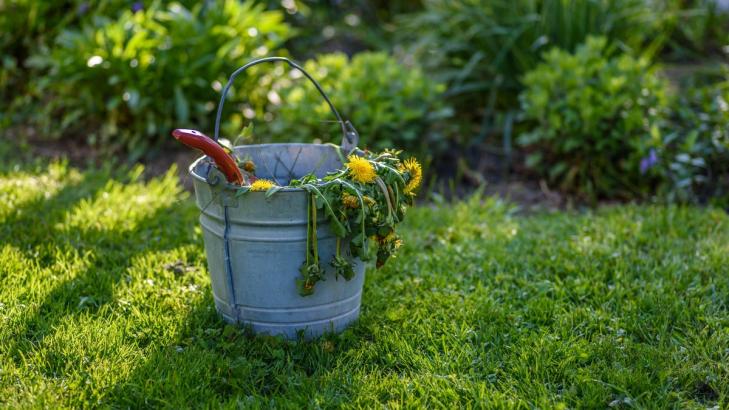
(350, 201)
(390, 237)
(361, 169)
(262, 185)
(368, 200)
(412, 166)
(398, 243)
(249, 166)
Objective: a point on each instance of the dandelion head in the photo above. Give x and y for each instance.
(249, 166)
(350, 201)
(262, 185)
(390, 237)
(368, 200)
(361, 169)
(412, 167)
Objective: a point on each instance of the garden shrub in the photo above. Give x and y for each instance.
(31, 25)
(128, 81)
(693, 158)
(390, 104)
(595, 115)
(695, 29)
(349, 26)
(482, 48)
(25, 25)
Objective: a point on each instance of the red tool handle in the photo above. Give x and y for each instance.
(224, 161)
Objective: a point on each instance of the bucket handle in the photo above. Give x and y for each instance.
(350, 136)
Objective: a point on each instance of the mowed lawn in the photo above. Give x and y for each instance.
(105, 301)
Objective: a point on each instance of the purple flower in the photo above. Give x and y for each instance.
(137, 6)
(82, 8)
(649, 162)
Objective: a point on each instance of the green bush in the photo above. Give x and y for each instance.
(482, 48)
(695, 29)
(350, 26)
(391, 105)
(26, 25)
(32, 25)
(694, 154)
(127, 82)
(596, 114)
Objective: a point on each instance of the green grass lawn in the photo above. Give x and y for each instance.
(105, 300)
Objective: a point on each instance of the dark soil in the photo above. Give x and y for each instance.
(487, 172)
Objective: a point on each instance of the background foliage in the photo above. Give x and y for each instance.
(693, 29)
(694, 151)
(30, 27)
(439, 78)
(390, 104)
(595, 116)
(135, 78)
(481, 48)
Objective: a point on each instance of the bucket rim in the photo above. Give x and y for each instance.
(228, 185)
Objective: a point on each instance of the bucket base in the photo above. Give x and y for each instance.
(291, 331)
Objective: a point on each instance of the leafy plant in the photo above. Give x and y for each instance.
(694, 153)
(695, 28)
(482, 48)
(352, 26)
(127, 82)
(29, 26)
(389, 103)
(595, 114)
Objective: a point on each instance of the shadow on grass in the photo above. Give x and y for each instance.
(36, 230)
(210, 364)
(206, 362)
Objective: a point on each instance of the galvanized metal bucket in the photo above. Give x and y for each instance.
(255, 245)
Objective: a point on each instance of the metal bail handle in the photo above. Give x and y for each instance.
(350, 136)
